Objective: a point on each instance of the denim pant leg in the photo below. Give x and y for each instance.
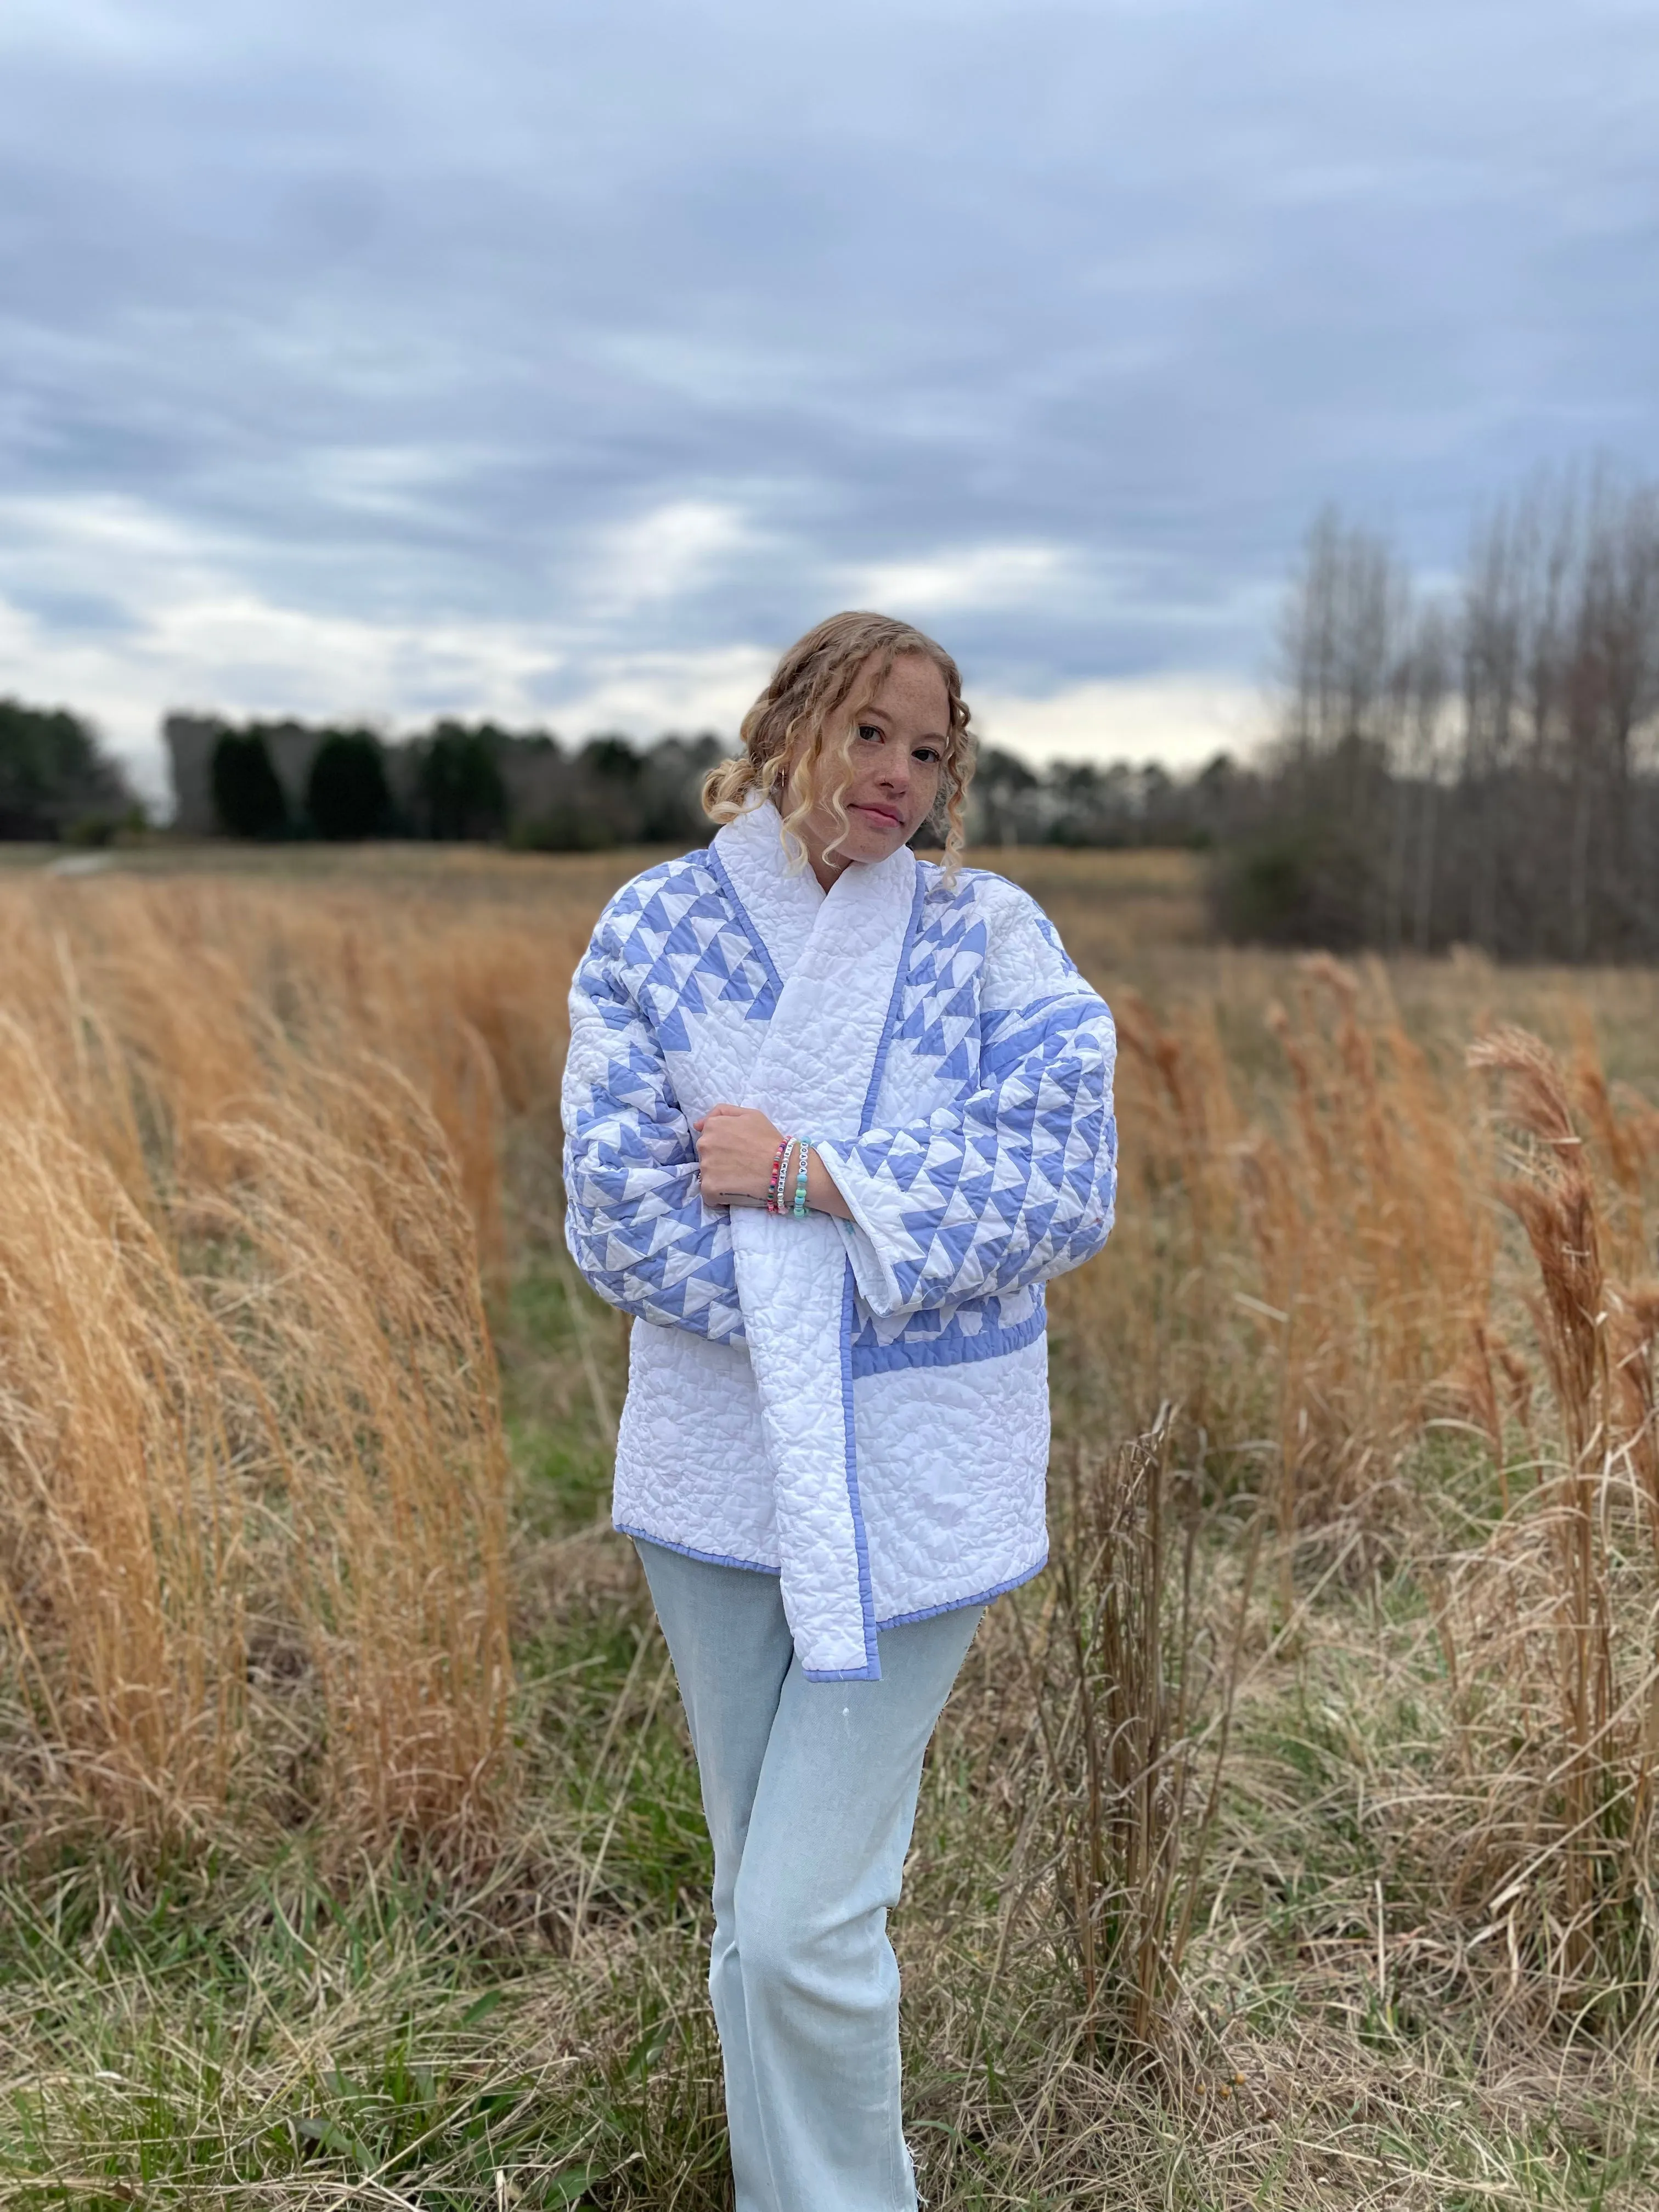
(732, 1649)
(828, 1836)
(810, 1790)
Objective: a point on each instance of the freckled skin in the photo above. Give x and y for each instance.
(898, 756)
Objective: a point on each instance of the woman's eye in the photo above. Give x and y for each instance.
(869, 730)
(930, 753)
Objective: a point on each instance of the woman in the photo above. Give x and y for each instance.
(833, 1115)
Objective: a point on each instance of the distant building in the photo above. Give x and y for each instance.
(190, 742)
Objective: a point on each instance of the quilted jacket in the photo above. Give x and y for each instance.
(860, 1407)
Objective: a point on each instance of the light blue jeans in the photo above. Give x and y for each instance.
(810, 1792)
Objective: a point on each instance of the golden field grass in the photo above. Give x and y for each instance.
(1289, 1843)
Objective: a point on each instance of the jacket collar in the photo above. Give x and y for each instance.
(781, 900)
(786, 904)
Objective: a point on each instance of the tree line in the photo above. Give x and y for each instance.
(1473, 763)
(480, 781)
(458, 781)
(57, 782)
(1476, 762)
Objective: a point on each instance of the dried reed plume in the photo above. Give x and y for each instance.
(1562, 1602)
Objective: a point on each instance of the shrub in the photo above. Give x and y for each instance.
(1301, 882)
(564, 830)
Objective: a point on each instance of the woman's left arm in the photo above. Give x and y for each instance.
(1015, 1183)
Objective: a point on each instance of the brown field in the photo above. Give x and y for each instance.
(1289, 1843)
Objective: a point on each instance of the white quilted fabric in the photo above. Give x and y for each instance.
(860, 1406)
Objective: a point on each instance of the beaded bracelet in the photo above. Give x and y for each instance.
(775, 1187)
(803, 1159)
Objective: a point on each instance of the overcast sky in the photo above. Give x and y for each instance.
(563, 362)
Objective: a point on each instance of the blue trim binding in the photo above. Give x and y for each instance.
(980, 1597)
(690, 1551)
(894, 1620)
(879, 1068)
(870, 1670)
(749, 928)
(947, 1350)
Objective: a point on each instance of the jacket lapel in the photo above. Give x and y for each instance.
(837, 956)
(777, 903)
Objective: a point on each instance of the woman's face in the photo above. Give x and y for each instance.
(897, 757)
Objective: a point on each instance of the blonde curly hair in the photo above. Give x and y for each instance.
(801, 729)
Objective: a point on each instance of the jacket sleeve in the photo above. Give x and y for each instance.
(1016, 1183)
(634, 1218)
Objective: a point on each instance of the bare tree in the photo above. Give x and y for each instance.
(1486, 771)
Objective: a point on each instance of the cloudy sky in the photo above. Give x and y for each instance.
(562, 362)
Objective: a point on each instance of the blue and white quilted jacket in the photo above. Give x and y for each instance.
(860, 1407)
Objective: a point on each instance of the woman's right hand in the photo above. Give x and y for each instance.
(736, 1147)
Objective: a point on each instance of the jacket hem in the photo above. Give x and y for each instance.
(870, 1672)
(691, 1550)
(956, 1604)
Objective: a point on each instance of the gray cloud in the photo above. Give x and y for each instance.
(651, 331)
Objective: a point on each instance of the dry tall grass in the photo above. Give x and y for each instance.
(254, 1484)
(124, 1555)
(1311, 1259)
(1318, 1267)
(262, 1143)
(1124, 1667)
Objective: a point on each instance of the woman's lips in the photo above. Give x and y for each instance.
(879, 814)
